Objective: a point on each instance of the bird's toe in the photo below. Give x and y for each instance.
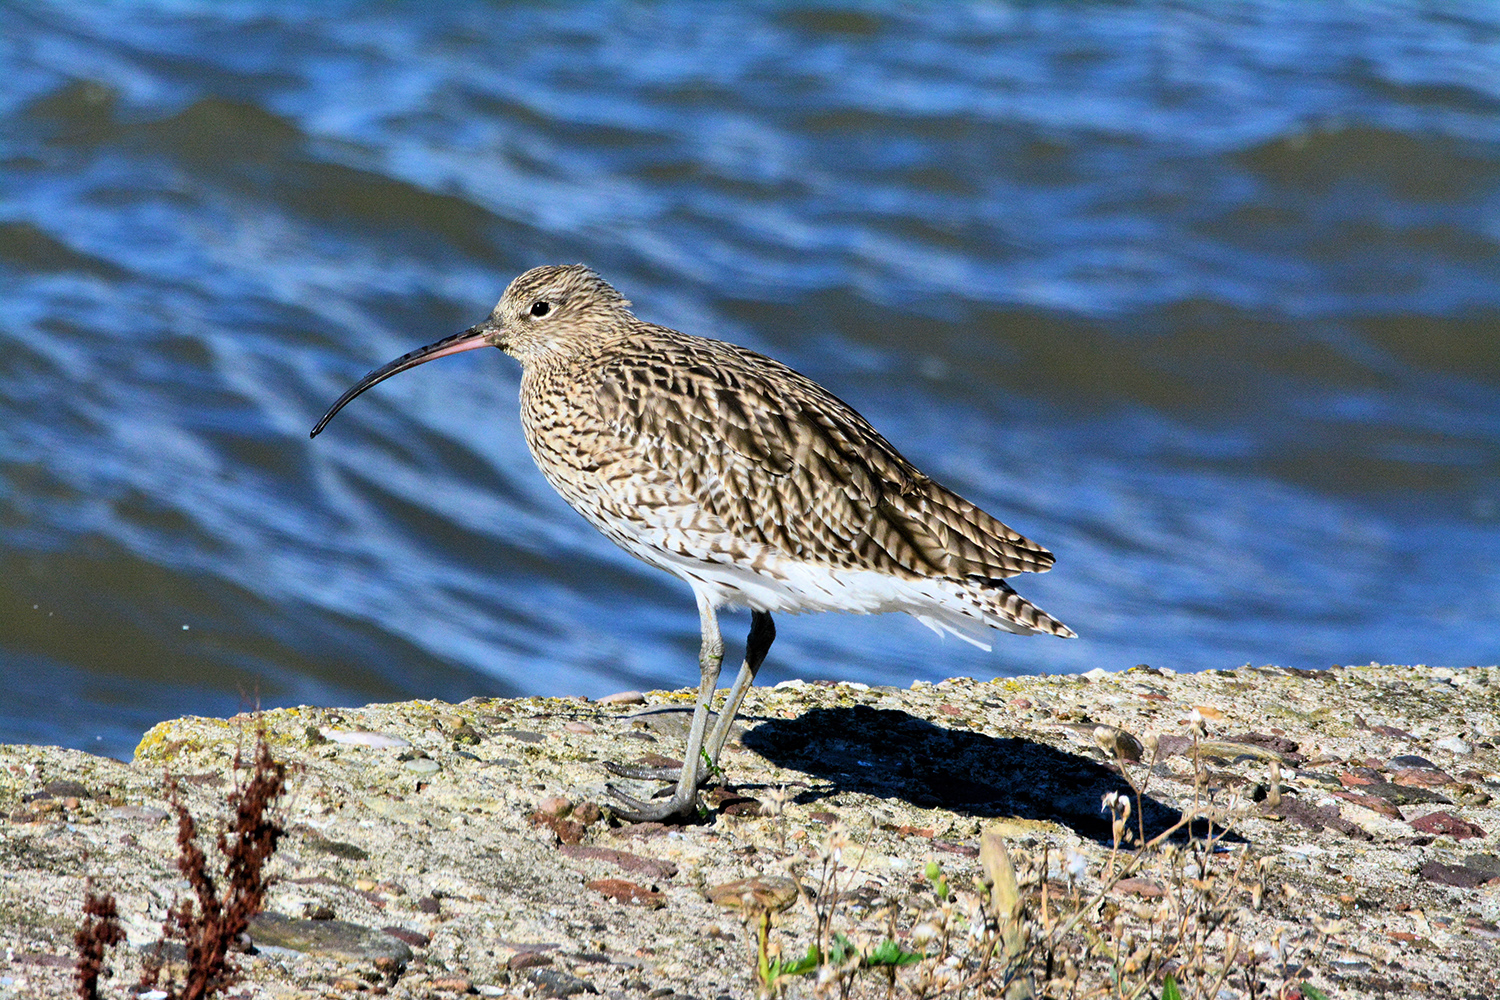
(642, 772)
(633, 810)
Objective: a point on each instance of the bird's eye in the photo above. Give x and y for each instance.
(540, 308)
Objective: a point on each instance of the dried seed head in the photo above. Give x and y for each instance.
(1327, 927)
(774, 804)
(1273, 785)
(975, 915)
(924, 933)
(1105, 737)
(834, 844)
(1076, 864)
(1197, 723)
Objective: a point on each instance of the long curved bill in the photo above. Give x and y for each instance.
(471, 339)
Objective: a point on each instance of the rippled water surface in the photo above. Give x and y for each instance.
(1206, 299)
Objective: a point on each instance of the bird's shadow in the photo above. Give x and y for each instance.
(892, 754)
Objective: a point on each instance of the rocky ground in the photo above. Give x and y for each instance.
(441, 850)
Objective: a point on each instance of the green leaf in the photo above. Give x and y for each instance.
(891, 952)
(714, 770)
(1169, 989)
(799, 967)
(1313, 993)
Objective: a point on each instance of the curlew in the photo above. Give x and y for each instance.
(751, 482)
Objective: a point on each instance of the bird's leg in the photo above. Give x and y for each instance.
(762, 634)
(684, 800)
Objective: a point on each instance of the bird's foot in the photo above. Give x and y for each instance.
(677, 808)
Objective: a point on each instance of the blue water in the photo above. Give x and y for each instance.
(1206, 299)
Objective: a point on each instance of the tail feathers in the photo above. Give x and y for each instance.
(1022, 612)
(966, 629)
(984, 604)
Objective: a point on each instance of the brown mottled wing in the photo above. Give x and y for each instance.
(779, 460)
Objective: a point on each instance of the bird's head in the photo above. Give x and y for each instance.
(549, 308)
(545, 312)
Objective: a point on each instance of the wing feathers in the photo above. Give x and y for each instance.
(780, 461)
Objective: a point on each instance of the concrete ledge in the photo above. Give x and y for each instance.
(440, 828)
